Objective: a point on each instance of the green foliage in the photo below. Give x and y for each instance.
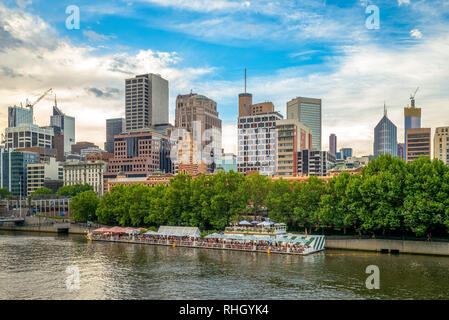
(390, 196)
(71, 191)
(84, 206)
(41, 191)
(4, 193)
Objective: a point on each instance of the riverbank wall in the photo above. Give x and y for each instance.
(390, 246)
(39, 224)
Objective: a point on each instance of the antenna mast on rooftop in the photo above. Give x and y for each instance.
(245, 80)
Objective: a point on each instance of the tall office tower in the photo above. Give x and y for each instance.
(19, 115)
(441, 144)
(412, 117)
(66, 124)
(256, 135)
(385, 137)
(191, 108)
(401, 150)
(13, 170)
(307, 111)
(346, 153)
(418, 143)
(292, 137)
(113, 128)
(146, 101)
(333, 144)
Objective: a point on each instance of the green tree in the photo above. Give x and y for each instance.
(281, 202)
(71, 191)
(382, 191)
(84, 206)
(41, 191)
(426, 196)
(4, 193)
(308, 196)
(255, 190)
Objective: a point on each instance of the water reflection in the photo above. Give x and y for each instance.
(32, 266)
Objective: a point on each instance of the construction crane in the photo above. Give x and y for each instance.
(31, 105)
(412, 98)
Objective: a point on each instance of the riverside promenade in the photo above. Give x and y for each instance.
(439, 248)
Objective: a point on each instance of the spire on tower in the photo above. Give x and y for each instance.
(245, 80)
(385, 109)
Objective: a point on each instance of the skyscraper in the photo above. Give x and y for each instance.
(385, 137)
(194, 107)
(256, 135)
(441, 144)
(307, 111)
(333, 144)
(412, 117)
(146, 101)
(19, 115)
(113, 128)
(418, 143)
(66, 124)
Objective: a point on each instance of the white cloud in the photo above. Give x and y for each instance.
(33, 58)
(93, 36)
(415, 33)
(401, 2)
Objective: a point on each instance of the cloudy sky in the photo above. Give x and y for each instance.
(312, 48)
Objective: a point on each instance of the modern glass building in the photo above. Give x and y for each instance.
(13, 170)
(113, 127)
(307, 111)
(67, 126)
(346, 153)
(385, 137)
(19, 115)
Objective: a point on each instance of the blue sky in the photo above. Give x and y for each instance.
(313, 48)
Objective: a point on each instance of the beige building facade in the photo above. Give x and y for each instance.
(90, 173)
(441, 144)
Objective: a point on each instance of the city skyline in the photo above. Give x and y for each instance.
(348, 75)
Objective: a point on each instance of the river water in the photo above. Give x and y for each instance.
(37, 266)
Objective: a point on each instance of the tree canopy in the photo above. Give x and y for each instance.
(389, 197)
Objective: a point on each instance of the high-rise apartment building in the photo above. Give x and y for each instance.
(91, 173)
(198, 114)
(307, 111)
(146, 101)
(333, 144)
(19, 115)
(385, 137)
(418, 143)
(292, 137)
(441, 144)
(113, 128)
(13, 170)
(66, 124)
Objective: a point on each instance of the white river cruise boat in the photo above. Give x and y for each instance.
(274, 233)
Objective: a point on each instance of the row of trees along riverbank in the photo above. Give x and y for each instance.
(390, 197)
